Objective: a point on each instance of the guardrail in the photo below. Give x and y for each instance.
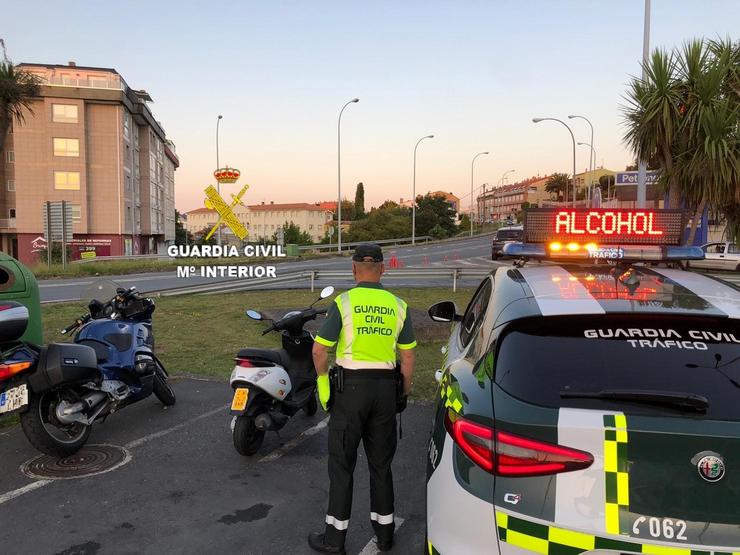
(454, 274)
(333, 246)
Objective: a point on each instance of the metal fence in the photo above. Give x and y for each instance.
(454, 275)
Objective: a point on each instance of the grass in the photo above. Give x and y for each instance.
(200, 334)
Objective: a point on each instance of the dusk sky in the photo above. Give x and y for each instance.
(473, 73)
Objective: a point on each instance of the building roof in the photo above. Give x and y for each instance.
(70, 65)
(201, 211)
(288, 206)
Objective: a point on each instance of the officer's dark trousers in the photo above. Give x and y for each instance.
(365, 410)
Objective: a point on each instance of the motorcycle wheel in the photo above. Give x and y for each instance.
(247, 438)
(310, 408)
(162, 389)
(47, 434)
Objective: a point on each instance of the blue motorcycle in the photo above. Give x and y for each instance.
(110, 365)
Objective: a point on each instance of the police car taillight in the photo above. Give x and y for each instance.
(475, 440)
(519, 456)
(505, 454)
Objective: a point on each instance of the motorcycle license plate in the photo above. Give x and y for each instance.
(14, 398)
(240, 398)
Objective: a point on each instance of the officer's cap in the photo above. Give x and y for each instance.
(368, 252)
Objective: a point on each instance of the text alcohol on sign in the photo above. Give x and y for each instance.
(614, 226)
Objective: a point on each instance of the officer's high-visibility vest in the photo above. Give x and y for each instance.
(372, 320)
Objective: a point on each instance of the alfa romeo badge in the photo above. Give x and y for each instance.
(711, 468)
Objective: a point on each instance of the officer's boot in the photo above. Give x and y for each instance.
(317, 543)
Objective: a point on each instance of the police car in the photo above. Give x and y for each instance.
(590, 407)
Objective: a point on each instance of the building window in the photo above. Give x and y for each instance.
(98, 82)
(11, 156)
(76, 213)
(11, 184)
(66, 147)
(67, 181)
(64, 113)
(11, 213)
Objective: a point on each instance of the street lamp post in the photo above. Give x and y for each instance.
(472, 168)
(218, 184)
(591, 155)
(641, 164)
(501, 184)
(537, 120)
(413, 193)
(339, 175)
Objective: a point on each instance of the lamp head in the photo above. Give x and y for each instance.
(355, 100)
(220, 116)
(571, 117)
(429, 137)
(536, 120)
(485, 153)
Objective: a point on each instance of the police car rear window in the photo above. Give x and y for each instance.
(541, 358)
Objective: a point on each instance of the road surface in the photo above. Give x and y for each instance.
(464, 253)
(186, 490)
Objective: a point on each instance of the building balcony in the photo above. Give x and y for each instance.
(88, 83)
(7, 223)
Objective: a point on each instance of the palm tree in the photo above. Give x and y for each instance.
(18, 88)
(652, 118)
(684, 118)
(557, 184)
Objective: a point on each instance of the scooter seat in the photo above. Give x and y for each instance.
(278, 356)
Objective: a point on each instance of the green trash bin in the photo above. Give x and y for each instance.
(17, 283)
(291, 249)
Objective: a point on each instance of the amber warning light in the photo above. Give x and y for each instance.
(611, 226)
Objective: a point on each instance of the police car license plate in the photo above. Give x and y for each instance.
(14, 398)
(241, 395)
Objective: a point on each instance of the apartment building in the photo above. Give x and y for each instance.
(93, 141)
(263, 220)
(501, 202)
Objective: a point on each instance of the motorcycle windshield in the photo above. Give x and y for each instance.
(101, 290)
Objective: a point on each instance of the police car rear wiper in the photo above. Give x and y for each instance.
(683, 401)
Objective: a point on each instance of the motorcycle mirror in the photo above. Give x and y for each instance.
(327, 291)
(254, 315)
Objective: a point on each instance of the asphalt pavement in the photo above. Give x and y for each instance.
(186, 490)
(463, 253)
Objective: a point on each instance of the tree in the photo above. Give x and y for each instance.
(558, 184)
(348, 211)
(683, 117)
(464, 225)
(182, 235)
(292, 234)
(360, 201)
(434, 210)
(18, 89)
(389, 221)
(200, 237)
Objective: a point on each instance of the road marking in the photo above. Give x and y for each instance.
(25, 489)
(136, 443)
(313, 430)
(155, 435)
(372, 548)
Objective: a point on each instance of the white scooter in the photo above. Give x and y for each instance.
(271, 385)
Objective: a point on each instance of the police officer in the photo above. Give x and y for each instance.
(367, 324)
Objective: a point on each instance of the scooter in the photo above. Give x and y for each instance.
(111, 364)
(271, 385)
